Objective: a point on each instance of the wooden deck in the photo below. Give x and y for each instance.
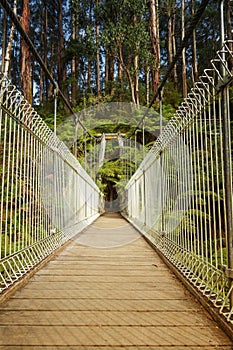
(107, 289)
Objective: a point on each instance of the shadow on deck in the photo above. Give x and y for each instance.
(107, 289)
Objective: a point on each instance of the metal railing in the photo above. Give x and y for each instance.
(181, 195)
(46, 196)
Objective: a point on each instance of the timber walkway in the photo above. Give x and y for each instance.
(107, 289)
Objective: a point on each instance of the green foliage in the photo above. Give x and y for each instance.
(46, 112)
(172, 97)
(111, 171)
(168, 112)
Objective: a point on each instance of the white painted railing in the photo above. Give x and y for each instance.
(181, 195)
(46, 196)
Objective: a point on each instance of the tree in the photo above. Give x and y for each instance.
(207, 36)
(6, 51)
(61, 47)
(154, 35)
(74, 64)
(229, 28)
(43, 38)
(97, 54)
(194, 48)
(25, 54)
(171, 49)
(110, 50)
(126, 39)
(184, 76)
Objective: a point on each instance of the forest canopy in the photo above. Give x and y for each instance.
(108, 50)
(108, 58)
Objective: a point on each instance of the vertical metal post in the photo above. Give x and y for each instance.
(143, 138)
(161, 112)
(162, 193)
(228, 183)
(222, 27)
(76, 119)
(227, 163)
(94, 160)
(130, 157)
(54, 156)
(144, 195)
(55, 110)
(126, 163)
(85, 200)
(85, 151)
(135, 149)
(161, 162)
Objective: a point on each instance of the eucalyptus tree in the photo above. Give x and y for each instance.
(25, 53)
(125, 35)
(208, 36)
(48, 35)
(7, 44)
(168, 35)
(155, 42)
(194, 48)
(184, 75)
(229, 20)
(110, 49)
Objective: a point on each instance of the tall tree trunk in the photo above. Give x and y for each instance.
(25, 54)
(184, 76)
(41, 91)
(4, 33)
(50, 85)
(136, 87)
(171, 38)
(229, 30)
(45, 38)
(111, 74)
(154, 35)
(120, 76)
(89, 75)
(7, 50)
(97, 54)
(147, 76)
(106, 79)
(194, 48)
(229, 20)
(90, 57)
(174, 49)
(61, 48)
(170, 34)
(41, 86)
(127, 71)
(131, 84)
(74, 62)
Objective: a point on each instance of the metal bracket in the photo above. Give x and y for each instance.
(223, 82)
(228, 272)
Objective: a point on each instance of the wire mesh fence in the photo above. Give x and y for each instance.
(46, 196)
(181, 195)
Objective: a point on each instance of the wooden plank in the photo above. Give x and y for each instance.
(111, 298)
(106, 318)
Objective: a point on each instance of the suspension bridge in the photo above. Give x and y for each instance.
(158, 273)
